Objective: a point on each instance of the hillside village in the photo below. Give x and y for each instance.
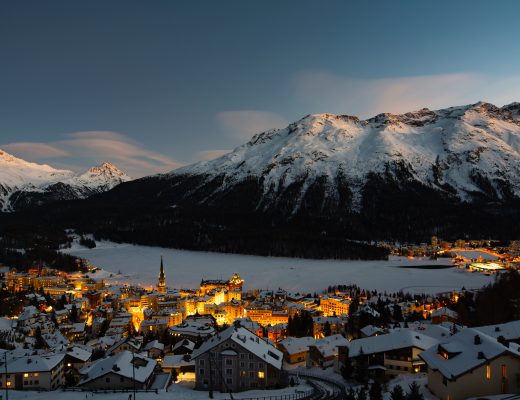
(74, 331)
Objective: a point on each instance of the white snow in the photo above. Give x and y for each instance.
(457, 142)
(19, 175)
(185, 269)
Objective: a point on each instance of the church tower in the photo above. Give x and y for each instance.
(161, 282)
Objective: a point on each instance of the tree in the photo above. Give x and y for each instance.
(361, 370)
(397, 393)
(398, 313)
(73, 313)
(376, 391)
(414, 393)
(361, 394)
(39, 342)
(327, 331)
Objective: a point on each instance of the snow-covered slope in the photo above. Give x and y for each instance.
(465, 152)
(23, 183)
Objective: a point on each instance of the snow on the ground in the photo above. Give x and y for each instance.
(175, 391)
(185, 269)
(405, 380)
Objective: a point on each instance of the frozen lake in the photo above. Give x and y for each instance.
(185, 269)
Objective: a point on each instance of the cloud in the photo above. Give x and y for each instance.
(322, 91)
(242, 125)
(36, 151)
(210, 154)
(94, 147)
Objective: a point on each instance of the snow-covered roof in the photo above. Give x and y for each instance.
(371, 330)
(246, 339)
(28, 313)
(440, 332)
(445, 311)
(176, 361)
(509, 330)
(328, 346)
(192, 327)
(294, 345)
(154, 344)
(79, 353)
(6, 324)
(34, 363)
(184, 343)
(400, 339)
(120, 364)
(464, 352)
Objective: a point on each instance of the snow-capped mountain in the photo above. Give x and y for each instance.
(24, 183)
(465, 153)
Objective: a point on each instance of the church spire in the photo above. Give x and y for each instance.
(161, 282)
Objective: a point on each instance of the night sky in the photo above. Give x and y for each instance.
(152, 85)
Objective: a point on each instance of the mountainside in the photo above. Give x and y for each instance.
(468, 153)
(324, 183)
(24, 184)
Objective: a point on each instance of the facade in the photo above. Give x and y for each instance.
(34, 373)
(334, 306)
(236, 360)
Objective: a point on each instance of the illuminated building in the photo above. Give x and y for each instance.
(161, 282)
(332, 306)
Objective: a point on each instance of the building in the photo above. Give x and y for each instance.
(444, 315)
(236, 360)
(472, 364)
(334, 306)
(124, 370)
(394, 353)
(324, 352)
(161, 282)
(295, 349)
(33, 373)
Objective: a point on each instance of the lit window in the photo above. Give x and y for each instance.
(488, 372)
(26, 375)
(8, 383)
(261, 374)
(36, 374)
(504, 372)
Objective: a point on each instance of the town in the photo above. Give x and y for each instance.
(75, 331)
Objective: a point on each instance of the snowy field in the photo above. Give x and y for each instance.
(474, 254)
(185, 269)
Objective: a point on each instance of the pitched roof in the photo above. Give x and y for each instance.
(465, 352)
(328, 346)
(34, 363)
(246, 339)
(120, 364)
(294, 345)
(392, 341)
(509, 330)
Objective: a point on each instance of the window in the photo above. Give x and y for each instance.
(242, 356)
(251, 365)
(201, 371)
(107, 380)
(261, 375)
(229, 362)
(229, 371)
(25, 382)
(36, 382)
(260, 365)
(504, 371)
(251, 374)
(250, 356)
(201, 362)
(121, 379)
(229, 380)
(242, 364)
(26, 375)
(488, 372)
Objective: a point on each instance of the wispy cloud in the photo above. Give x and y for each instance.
(242, 125)
(32, 150)
(322, 91)
(210, 154)
(95, 147)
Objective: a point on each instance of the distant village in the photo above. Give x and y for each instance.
(74, 331)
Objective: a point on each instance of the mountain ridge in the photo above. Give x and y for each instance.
(24, 183)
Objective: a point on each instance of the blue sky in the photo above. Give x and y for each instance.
(152, 85)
